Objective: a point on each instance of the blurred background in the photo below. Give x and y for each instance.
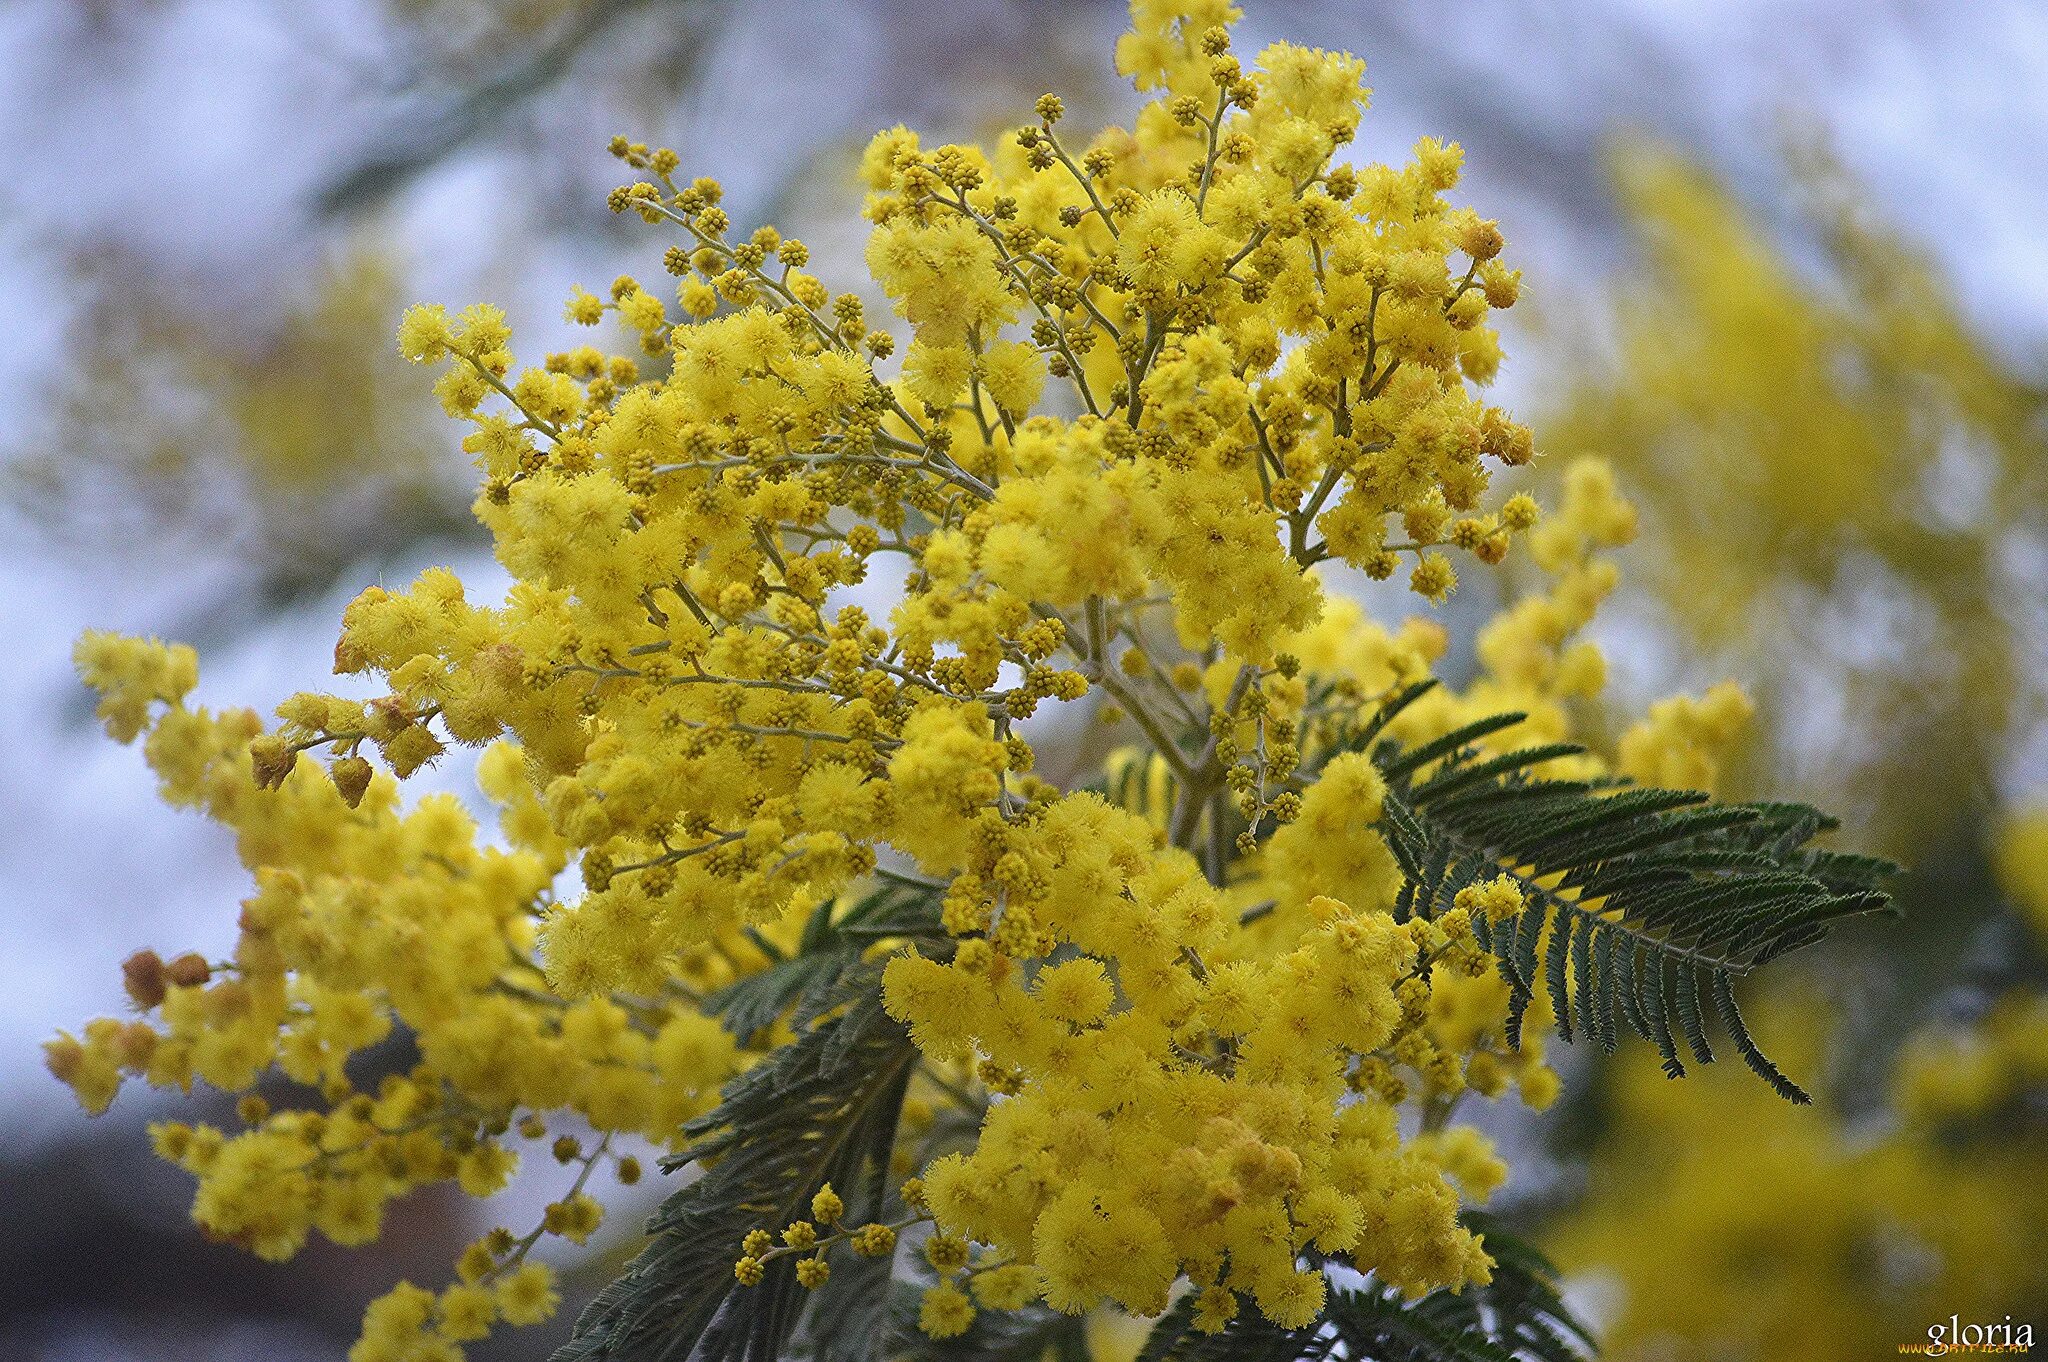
(1783, 266)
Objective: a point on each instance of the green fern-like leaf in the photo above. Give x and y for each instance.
(1643, 904)
(824, 1109)
(1248, 1337)
(1518, 1316)
(833, 939)
(1036, 1332)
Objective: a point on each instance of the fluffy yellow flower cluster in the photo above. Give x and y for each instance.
(366, 916)
(1807, 1238)
(1779, 409)
(1150, 385)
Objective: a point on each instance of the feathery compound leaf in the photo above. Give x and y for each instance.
(1389, 711)
(823, 1109)
(1527, 1312)
(1581, 970)
(1603, 974)
(1035, 1332)
(1519, 1314)
(1687, 997)
(1404, 763)
(757, 1001)
(1724, 1003)
(1650, 979)
(1557, 974)
(849, 1315)
(861, 1313)
(832, 942)
(1636, 898)
(1248, 1337)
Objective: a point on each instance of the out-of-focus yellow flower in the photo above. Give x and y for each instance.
(306, 448)
(1782, 1238)
(1835, 466)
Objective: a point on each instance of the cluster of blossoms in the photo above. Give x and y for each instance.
(1150, 385)
(365, 917)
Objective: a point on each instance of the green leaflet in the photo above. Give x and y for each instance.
(1693, 893)
(823, 1109)
(1519, 1314)
(832, 943)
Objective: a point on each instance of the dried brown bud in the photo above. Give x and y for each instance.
(142, 974)
(188, 970)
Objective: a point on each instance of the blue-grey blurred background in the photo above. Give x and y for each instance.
(212, 211)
